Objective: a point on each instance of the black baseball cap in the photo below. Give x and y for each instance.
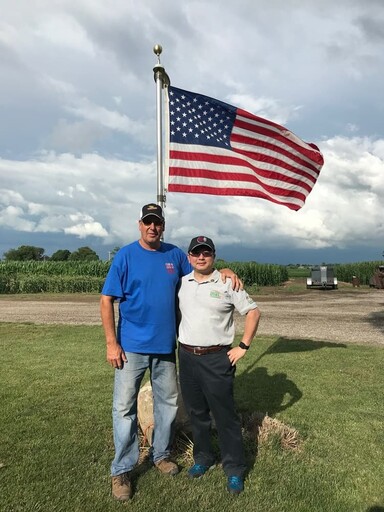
(201, 241)
(152, 209)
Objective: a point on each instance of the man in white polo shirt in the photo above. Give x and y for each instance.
(207, 361)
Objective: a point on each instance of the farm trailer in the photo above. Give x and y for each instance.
(322, 277)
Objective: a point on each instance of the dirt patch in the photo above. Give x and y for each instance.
(355, 316)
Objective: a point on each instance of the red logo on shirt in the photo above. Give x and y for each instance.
(170, 268)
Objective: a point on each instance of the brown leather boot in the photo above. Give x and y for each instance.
(122, 487)
(167, 467)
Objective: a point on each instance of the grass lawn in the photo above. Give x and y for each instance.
(56, 436)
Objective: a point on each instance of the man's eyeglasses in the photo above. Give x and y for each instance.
(148, 222)
(196, 253)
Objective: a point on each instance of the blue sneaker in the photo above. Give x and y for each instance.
(235, 484)
(198, 470)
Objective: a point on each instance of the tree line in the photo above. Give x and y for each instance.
(32, 253)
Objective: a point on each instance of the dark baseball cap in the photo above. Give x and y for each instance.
(201, 241)
(152, 209)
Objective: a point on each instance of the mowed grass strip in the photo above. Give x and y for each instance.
(56, 436)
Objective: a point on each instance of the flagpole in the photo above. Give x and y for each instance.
(162, 80)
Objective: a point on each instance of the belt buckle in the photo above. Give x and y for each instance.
(196, 351)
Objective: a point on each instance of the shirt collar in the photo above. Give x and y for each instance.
(213, 278)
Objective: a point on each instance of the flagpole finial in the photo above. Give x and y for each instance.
(157, 50)
(159, 70)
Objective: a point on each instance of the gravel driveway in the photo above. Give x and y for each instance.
(355, 316)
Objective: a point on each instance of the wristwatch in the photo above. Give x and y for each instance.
(243, 345)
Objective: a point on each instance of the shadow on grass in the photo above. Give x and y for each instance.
(142, 467)
(375, 509)
(284, 345)
(267, 394)
(274, 393)
(376, 319)
(263, 394)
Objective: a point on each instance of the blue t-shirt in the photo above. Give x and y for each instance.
(145, 282)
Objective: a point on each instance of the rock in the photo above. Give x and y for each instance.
(145, 412)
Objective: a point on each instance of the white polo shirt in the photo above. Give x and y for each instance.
(207, 310)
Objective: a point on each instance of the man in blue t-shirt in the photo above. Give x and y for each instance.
(143, 276)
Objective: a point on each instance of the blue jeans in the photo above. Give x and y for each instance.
(162, 369)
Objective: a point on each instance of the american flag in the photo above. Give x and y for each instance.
(216, 148)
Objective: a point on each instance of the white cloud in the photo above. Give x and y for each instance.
(105, 117)
(64, 31)
(86, 229)
(13, 217)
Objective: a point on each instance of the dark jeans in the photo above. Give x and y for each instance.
(207, 385)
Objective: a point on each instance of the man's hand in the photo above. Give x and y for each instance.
(116, 356)
(235, 354)
(237, 283)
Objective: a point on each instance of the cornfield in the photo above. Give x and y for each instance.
(88, 277)
(55, 268)
(363, 271)
(52, 276)
(256, 274)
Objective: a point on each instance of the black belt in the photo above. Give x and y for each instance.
(201, 351)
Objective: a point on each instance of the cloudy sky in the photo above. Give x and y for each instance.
(78, 120)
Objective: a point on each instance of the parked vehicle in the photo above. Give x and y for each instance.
(322, 277)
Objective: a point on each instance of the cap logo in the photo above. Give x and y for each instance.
(201, 239)
(152, 207)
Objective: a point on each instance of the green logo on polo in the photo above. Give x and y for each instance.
(215, 294)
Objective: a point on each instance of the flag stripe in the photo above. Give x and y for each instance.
(189, 187)
(246, 140)
(227, 161)
(231, 178)
(280, 162)
(264, 163)
(280, 135)
(215, 148)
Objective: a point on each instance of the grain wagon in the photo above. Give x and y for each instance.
(322, 277)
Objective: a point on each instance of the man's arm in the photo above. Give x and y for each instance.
(115, 354)
(250, 328)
